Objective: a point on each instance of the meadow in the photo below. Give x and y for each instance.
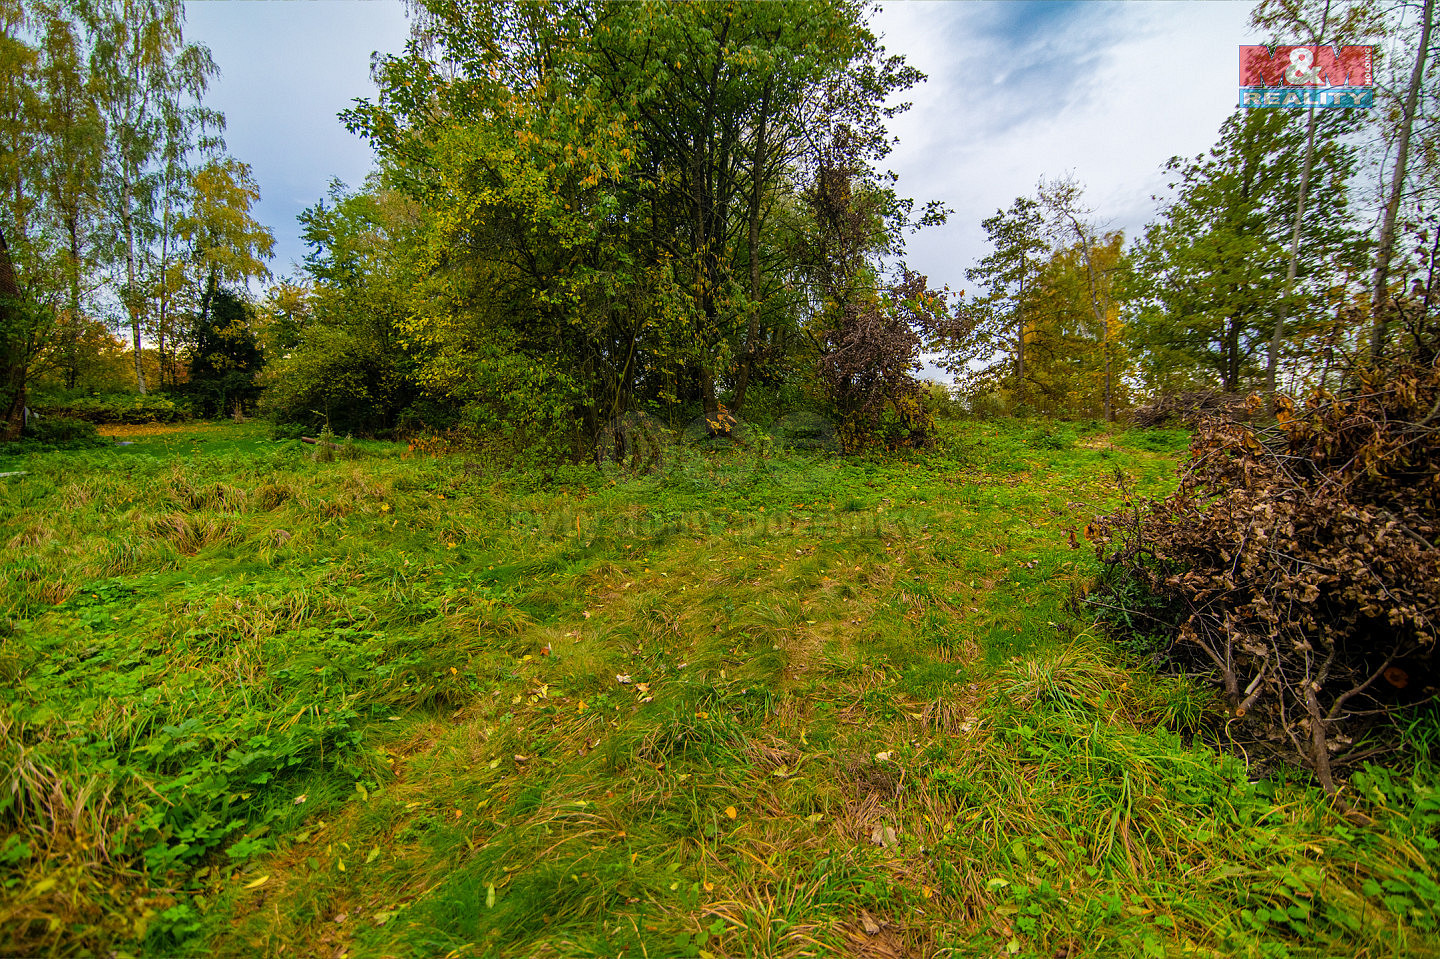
(755, 702)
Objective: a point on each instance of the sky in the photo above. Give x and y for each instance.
(1103, 91)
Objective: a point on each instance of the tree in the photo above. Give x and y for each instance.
(227, 246)
(340, 353)
(1209, 275)
(225, 356)
(17, 147)
(1324, 22)
(1060, 199)
(74, 136)
(150, 84)
(999, 319)
(612, 194)
(1380, 287)
(1078, 362)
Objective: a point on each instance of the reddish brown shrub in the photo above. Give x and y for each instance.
(1297, 564)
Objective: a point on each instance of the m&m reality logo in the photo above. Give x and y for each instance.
(1307, 76)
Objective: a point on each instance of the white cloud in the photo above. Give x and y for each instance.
(1107, 91)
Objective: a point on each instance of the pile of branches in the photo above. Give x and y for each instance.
(1297, 566)
(1189, 408)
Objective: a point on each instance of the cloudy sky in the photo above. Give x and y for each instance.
(1106, 91)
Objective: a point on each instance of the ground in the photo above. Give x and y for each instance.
(754, 702)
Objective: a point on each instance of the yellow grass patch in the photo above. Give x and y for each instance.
(132, 430)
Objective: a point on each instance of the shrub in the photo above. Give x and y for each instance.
(113, 408)
(56, 433)
(1297, 565)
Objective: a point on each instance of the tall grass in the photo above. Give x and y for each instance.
(753, 705)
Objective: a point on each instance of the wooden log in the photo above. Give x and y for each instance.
(314, 442)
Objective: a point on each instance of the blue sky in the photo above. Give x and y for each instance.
(1106, 91)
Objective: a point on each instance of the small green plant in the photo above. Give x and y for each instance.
(325, 447)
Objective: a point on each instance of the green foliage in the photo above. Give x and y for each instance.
(1205, 290)
(56, 433)
(225, 357)
(606, 198)
(526, 706)
(339, 357)
(113, 408)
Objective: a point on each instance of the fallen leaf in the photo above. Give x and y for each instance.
(622, 678)
(257, 883)
(731, 812)
(885, 836)
(882, 757)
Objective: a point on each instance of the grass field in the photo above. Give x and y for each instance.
(754, 703)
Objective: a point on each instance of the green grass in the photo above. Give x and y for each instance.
(746, 705)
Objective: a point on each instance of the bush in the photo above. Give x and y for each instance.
(113, 408)
(56, 433)
(1296, 564)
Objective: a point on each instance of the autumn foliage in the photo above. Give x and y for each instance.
(1297, 565)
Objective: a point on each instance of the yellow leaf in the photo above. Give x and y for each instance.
(731, 812)
(45, 885)
(257, 883)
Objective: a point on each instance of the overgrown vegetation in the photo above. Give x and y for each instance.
(112, 408)
(752, 703)
(1296, 565)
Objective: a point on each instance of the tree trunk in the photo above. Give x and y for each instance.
(1379, 294)
(752, 330)
(1277, 336)
(132, 306)
(708, 400)
(13, 351)
(1020, 339)
(72, 372)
